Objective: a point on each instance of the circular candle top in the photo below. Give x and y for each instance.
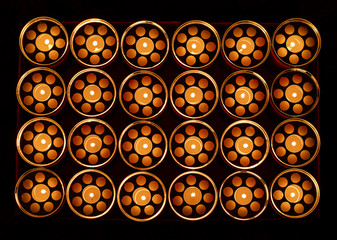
(243, 195)
(244, 95)
(141, 196)
(42, 142)
(293, 193)
(95, 43)
(192, 195)
(144, 46)
(245, 45)
(143, 96)
(40, 193)
(195, 45)
(295, 43)
(92, 143)
(91, 194)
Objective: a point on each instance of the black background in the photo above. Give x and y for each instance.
(14, 14)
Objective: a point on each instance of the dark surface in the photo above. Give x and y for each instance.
(17, 13)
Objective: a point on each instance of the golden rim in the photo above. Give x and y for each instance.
(111, 101)
(308, 198)
(209, 78)
(104, 23)
(59, 196)
(48, 141)
(150, 23)
(214, 200)
(30, 23)
(315, 132)
(164, 152)
(146, 203)
(306, 73)
(100, 142)
(266, 194)
(247, 144)
(215, 150)
(238, 73)
(162, 83)
(109, 195)
(23, 78)
(249, 40)
(314, 30)
(208, 26)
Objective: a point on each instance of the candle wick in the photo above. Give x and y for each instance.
(92, 92)
(42, 92)
(194, 45)
(92, 144)
(293, 143)
(292, 194)
(43, 141)
(243, 195)
(145, 145)
(145, 95)
(145, 44)
(91, 195)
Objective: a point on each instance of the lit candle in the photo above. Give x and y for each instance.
(92, 143)
(244, 95)
(40, 193)
(41, 92)
(143, 96)
(95, 43)
(294, 143)
(92, 93)
(42, 142)
(44, 42)
(193, 145)
(193, 95)
(294, 193)
(294, 93)
(192, 195)
(91, 194)
(244, 145)
(143, 145)
(195, 45)
(144, 46)
(243, 195)
(141, 196)
(245, 45)
(295, 43)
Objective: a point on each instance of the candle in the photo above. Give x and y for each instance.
(143, 145)
(294, 143)
(295, 43)
(92, 143)
(194, 95)
(245, 45)
(41, 92)
(92, 93)
(144, 46)
(244, 95)
(294, 93)
(95, 43)
(192, 195)
(294, 193)
(195, 45)
(193, 145)
(91, 194)
(41, 193)
(244, 145)
(44, 42)
(141, 196)
(143, 96)
(243, 195)
(42, 142)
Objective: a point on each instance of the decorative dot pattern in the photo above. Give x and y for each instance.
(294, 193)
(244, 195)
(41, 91)
(246, 44)
(244, 94)
(295, 142)
(141, 196)
(244, 144)
(39, 192)
(44, 41)
(41, 142)
(92, 143)
(90, 194)
(193, 144)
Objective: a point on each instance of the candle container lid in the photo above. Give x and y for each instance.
(296, 42)
(143, 95)
(39, 192)
(195, 44)
(244, 144)
(41, 142)
(246, 44)
(90, 193)
(142, 145)
(91, 92)
(294, 193)
(41, 91)
(43, 41)
(244, 195)
(244, 94)
(194, 94)
(92, 143)
(295, 142)
(141, 196)
(144, 45)
(295, 92)
(94, 42)
(192, 195)
(193, 144)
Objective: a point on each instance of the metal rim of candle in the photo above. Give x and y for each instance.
(279, 142)
(155, 55)
(132, 84)
(282, 104)
(100, 204)
(44, 142)
(156, 189)
(212, 48)
(205, 187)
(260, 92)
(53, 200)
(201, 107)
(98, 79)
(232, 151)
(94, 59)
(306, 57)
(205, 132)
(153, 146)
(255, 196)
(97, 139)
(300, 205)
(261, 42)
(60, 43)
(26, 90)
